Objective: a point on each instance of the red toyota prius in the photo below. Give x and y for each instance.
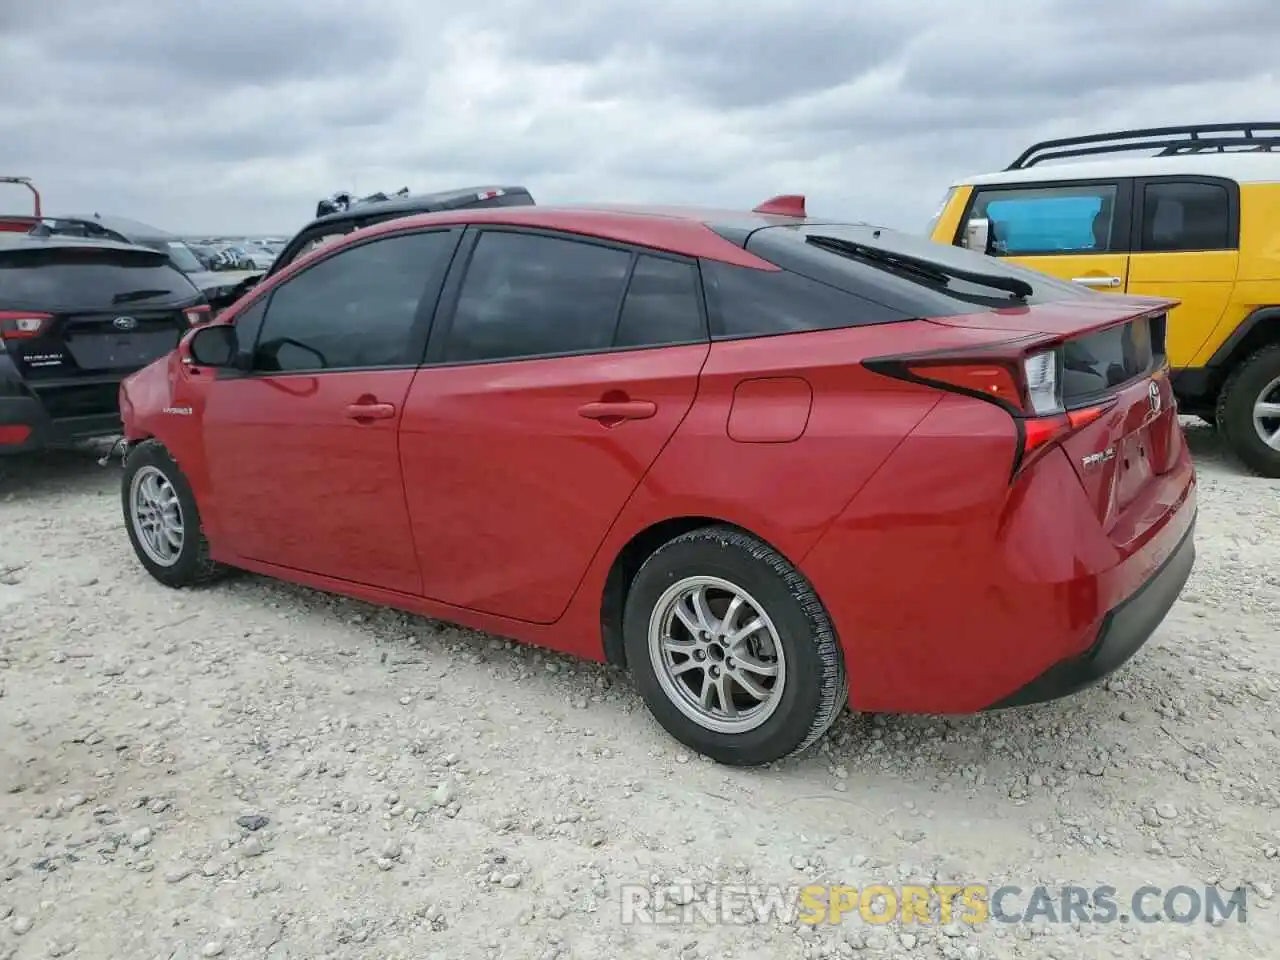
(770, 463)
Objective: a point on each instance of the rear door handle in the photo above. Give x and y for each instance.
(1109, 282)
(618, 410)
(371, 411)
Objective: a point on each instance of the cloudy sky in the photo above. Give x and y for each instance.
(239, 115)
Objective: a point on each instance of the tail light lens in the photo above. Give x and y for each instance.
(198, 315)
(22, 325)
(1027, 385)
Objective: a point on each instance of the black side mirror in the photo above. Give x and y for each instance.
(214, 346)
(286, 354)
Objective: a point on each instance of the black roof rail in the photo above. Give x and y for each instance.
(1170, 141)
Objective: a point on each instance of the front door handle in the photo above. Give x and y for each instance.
(371, 411)
(617, 410)
(1108, 282)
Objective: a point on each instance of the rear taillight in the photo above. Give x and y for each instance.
(1027, 385)
(198, 315)
(23, 324)
(17, 433)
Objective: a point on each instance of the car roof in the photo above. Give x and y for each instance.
(420, 201)
(22, 241)
(1251, 167)
(689, 231)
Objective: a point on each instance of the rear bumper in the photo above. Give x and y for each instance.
(1124, 630)
(25, 426)
(952, 592)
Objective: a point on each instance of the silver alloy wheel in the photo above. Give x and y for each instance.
(1266, 414)
(716, 654)
(156, 516)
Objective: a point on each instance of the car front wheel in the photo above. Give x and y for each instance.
(731, 649)
(162, 519)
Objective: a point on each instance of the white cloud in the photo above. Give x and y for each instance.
(238, 115)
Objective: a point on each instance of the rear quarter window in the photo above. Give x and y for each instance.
(72, 279)
(745, 302)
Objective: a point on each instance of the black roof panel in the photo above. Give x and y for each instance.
(419, 203)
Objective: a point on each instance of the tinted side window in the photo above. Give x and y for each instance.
(1048, 220)
(355, 309)
(527, 295)
(1186, 216)
(662, 305)
(744, 302)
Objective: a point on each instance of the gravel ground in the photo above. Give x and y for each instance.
(259, 770)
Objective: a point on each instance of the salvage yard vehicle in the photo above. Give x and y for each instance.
(367, 212)
(76, 317)
(768, 462)
(219, 289)
(1199, 223)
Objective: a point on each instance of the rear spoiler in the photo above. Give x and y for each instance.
(1072, 318)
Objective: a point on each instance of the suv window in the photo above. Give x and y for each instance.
(528, 295)
(357, 308)
(1048, 220)
(62, 278)
(1186, 216)
(662, 305)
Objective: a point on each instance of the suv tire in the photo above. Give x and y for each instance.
(1254, 380)
(162, 519)
(724, 579)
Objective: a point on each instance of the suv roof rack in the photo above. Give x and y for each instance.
(1170, 141)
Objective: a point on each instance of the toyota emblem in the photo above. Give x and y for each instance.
(125, 323)
(1153, 393)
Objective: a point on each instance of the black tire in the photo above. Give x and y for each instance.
(192, 565)
(814, 691)
(1242, 390)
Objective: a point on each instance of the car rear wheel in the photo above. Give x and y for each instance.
(731, 649)
(1249, 411)
(162, 519)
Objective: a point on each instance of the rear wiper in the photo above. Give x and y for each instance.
(928, 269)
(137, 295)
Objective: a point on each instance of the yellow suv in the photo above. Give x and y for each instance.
(1197, 222)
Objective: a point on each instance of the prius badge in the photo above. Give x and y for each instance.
(1102, 456)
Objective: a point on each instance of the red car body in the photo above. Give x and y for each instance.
(968, 557)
